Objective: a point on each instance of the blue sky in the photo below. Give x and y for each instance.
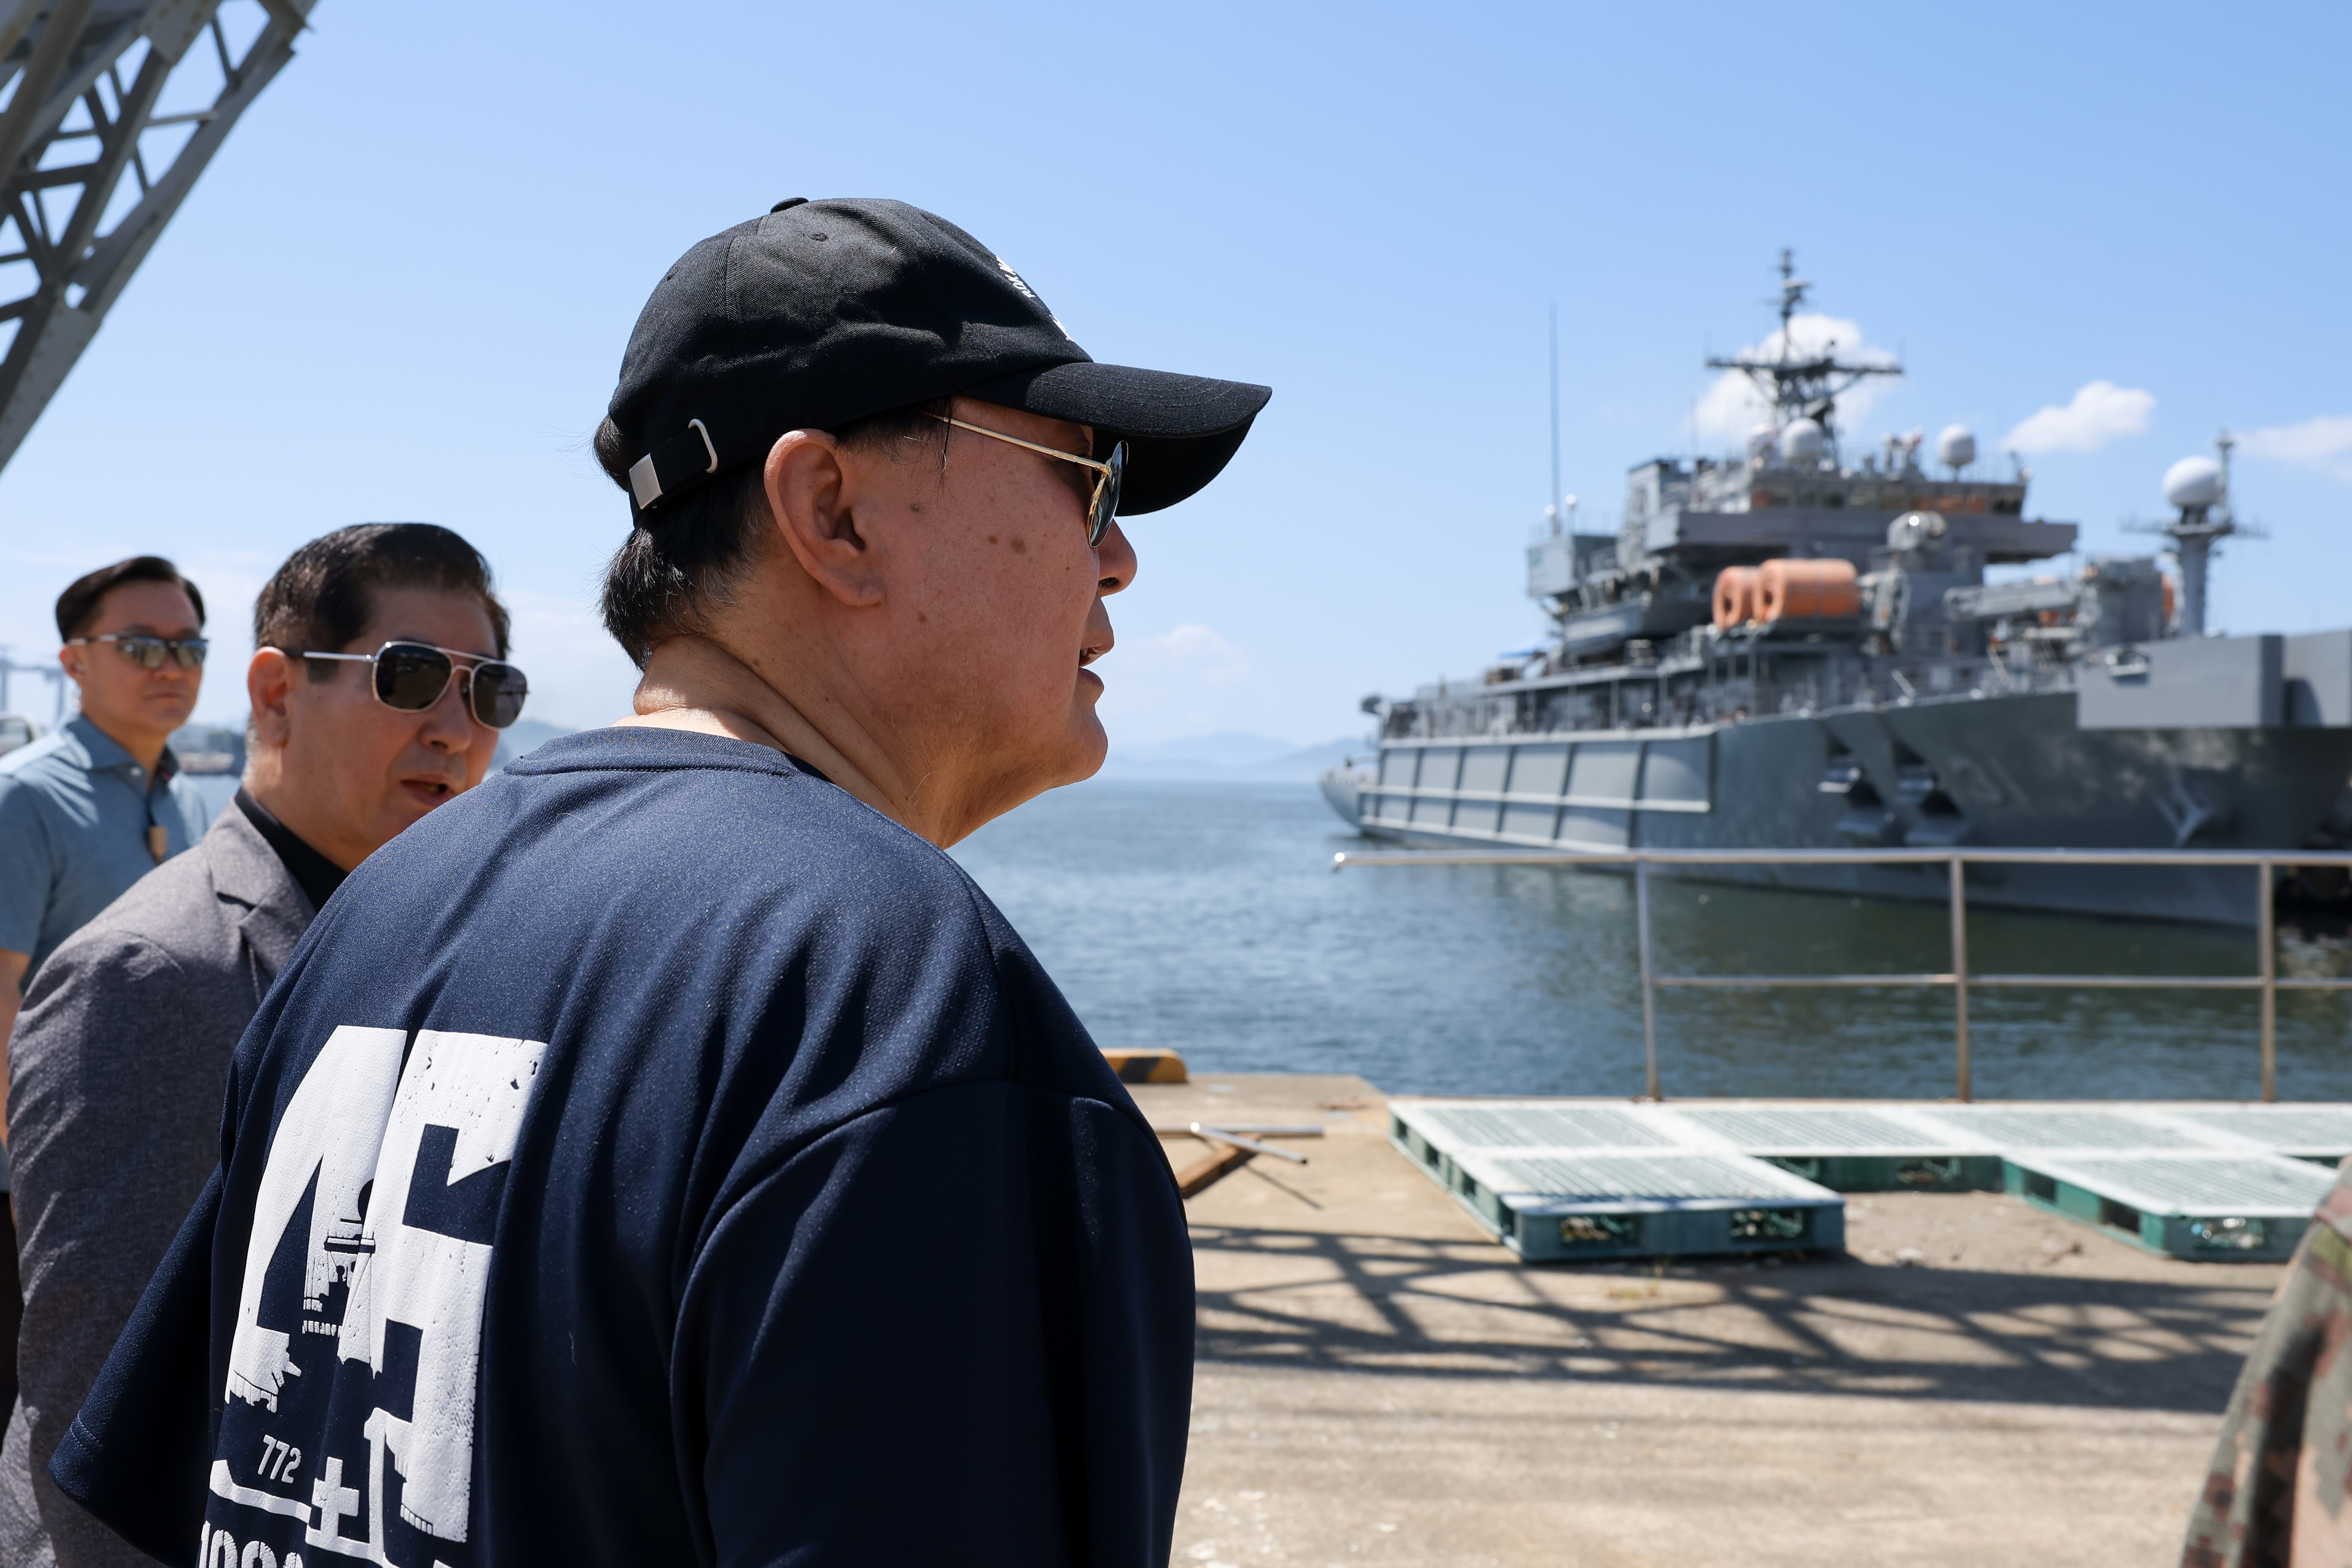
(401, 290)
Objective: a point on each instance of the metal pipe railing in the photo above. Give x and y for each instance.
(2265, 980)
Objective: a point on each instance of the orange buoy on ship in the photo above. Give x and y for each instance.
(1803, 590)
(1735, 597)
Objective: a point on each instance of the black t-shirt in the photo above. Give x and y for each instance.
(657, 1156)
(316, 874)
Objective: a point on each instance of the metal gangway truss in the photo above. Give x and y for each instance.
(109, 111)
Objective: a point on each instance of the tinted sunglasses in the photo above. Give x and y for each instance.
(412, 677)
(150, 652)
(1104, 502)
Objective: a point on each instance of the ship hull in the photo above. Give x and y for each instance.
(2013, 771)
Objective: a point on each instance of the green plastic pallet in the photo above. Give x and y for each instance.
(1852, 1148)
(1550, 1207)
(2209, 1206)
(2005, 1129)
(2321, 1132)
(1552, 1201)
(1567, 1178)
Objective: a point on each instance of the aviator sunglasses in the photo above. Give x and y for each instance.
(412, 677)
(148, 653)
(1107, 475)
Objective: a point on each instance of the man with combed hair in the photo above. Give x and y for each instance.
(89, 810)
(123, 1053)
(667, 1153)
(90, 807)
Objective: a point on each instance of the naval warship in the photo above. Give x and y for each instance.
(1794, 647)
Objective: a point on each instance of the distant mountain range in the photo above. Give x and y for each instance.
(1229, 755)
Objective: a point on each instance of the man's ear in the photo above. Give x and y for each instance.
(814, 493)
(268, 683)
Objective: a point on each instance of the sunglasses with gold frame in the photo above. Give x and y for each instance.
(1103, 504)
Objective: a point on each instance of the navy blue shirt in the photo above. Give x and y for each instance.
(657, 1156)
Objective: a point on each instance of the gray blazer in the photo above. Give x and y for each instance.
(118, 1072)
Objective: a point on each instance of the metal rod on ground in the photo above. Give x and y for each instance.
(1960, 973)
(2266, 936)
(1218, 1134)
(1649, 981)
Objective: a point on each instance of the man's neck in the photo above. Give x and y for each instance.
(693, 684)
(145, 745)
(265, 781)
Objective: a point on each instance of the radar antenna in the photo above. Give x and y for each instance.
(1796, 387)
(73, 127)
(2200, 489)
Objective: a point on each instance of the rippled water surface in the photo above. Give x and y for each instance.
(1205, 917)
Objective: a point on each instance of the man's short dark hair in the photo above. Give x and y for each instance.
(78, 605)
(665, 581)
(321, 598)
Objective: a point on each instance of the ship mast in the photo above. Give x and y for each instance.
(1558, 523)
(2201, 491)
(1797, 388)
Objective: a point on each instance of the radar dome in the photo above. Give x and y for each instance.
(2193, 482)
(1956, 447)
(1916, 530)
(1800, 442)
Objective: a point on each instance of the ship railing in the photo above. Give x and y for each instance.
(2265, 980)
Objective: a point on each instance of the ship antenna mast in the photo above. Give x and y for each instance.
(1792, 294)
(2202, 490)
(1796, 387)
(1552, 504)
(2224, 443)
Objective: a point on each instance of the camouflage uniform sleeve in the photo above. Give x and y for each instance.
(2282, 1474)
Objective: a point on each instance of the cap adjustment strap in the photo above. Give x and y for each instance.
(677, 464)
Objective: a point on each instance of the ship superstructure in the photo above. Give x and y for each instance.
(1788, 647)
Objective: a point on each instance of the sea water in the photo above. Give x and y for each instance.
(1205, 917)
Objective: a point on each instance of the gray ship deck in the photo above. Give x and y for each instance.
(2015, 771)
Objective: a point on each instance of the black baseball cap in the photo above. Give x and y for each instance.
(824, 312)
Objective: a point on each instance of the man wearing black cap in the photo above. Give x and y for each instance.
(665, 1153)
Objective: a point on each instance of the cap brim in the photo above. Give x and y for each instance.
(1181, 431)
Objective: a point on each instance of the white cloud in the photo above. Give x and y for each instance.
(1186, 681)
(2324, 444)
(1193, 651)
(1732, 405)
(2100, 412)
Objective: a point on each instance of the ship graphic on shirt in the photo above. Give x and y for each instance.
(348, 1426)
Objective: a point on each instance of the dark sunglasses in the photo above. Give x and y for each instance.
(1108, 476)
(412, 677)
(148, 652)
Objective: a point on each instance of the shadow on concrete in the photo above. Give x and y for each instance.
(1828, 1323)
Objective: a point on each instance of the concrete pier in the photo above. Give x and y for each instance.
(1381, 1383)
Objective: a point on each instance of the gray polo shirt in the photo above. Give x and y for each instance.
(73, 814)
